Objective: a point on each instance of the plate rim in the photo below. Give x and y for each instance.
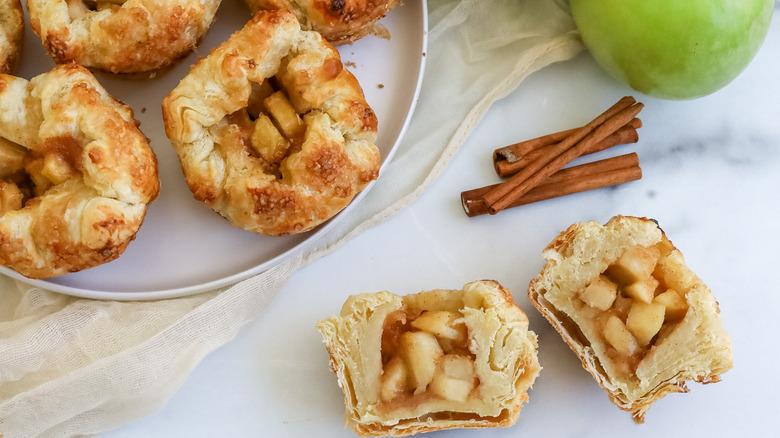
(268, 264)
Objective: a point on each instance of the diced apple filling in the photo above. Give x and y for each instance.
(428, 359)
(639, 298)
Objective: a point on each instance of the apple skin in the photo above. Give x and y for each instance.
(673, 49)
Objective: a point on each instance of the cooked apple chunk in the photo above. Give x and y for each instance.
(268, 141)
(11, 197)
(618, 335)
(636, 264)
(674, 305)
(457, 378)
(642, 290)
(443, 325)
(600, 293)
(394, 379)
(421, 352)
(644, 320)
(283, 114)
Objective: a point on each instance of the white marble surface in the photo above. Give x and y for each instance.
(711, 179)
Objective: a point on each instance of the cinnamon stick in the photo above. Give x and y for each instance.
(590, 176)
(509, 160)
(517, 151)
(561, 154)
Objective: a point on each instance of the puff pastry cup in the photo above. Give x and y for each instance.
(339, 21)
(439, 359)
(138, 37)
(11, 33)
(76, 174)
(271, 131)
(639, 319)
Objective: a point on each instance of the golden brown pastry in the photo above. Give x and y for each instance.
(435, 360)
(76, 174)
(270, 129)
(121, 36)
(11, 33)
(339, 21)
(639, 319)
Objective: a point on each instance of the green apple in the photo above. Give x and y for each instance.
(673, 49)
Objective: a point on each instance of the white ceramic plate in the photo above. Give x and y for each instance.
(183, 247)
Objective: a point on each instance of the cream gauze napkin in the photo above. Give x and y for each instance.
(79, 367)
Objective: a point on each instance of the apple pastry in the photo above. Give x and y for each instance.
(271, 130)
(11, 33)
(639, 319)
(439, 359)
(137, 37)
(76, 174)
(339, 21)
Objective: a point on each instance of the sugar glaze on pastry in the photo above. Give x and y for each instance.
(270, 129)
(639, 319)
(439, 359)
(121, 36)
(76, 174)
(339, 21)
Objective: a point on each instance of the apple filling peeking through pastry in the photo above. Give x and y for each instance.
(270, 125)
(438, 359)
(25, 174)
(637, 302)
(427, 357)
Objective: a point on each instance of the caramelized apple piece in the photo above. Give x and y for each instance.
(642, 290)
(257, 96)
(421, 352)
(283, 113)
(672, 273)
(394, 379)
(443, 325)
(644, 320)
(457, 378)
(268, 141)
(10, 197)
(636, 264)
(600, 293)
(675, 305)
(616, 333)
(56, 169)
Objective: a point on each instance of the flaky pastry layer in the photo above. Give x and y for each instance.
(339, 21)
(694, 348)
(76, 174)
(498, 352)
(132, 36)
(207, 121)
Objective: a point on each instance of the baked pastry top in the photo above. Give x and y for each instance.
(339, 21)
(11, 33)
(439, 359)
(639, 319)
(270, 129)
(121, 36)
(76, 174)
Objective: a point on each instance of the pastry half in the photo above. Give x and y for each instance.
(270, 129)
(439, 359)
(138, 37)
(639, 319)
(76, 174)
(11, 33)
(339, 21)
